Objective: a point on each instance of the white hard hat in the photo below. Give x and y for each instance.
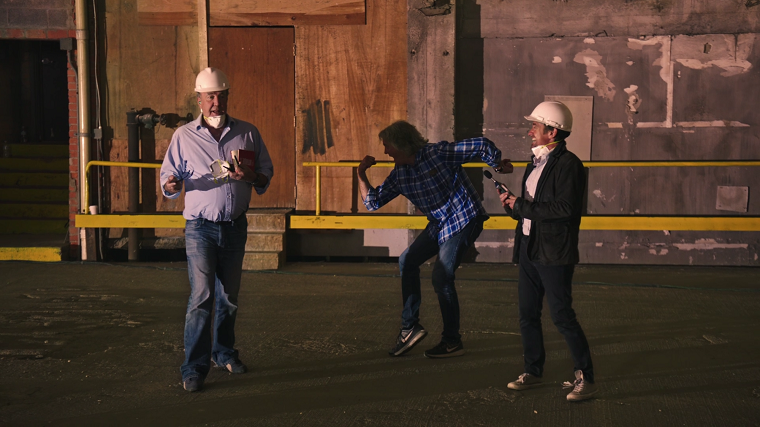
(554, 114)
(211, 80)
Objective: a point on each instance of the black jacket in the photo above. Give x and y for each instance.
(555, 211)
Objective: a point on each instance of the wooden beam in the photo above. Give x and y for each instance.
(247, 13)
(167, 12)
(203, 34)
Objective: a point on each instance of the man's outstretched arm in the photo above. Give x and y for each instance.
(361, 173)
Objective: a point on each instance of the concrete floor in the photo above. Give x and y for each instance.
(99, 344)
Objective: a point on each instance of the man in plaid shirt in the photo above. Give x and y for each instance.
(432, 178)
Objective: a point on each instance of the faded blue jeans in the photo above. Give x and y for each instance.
(214, 263)
(450, 255)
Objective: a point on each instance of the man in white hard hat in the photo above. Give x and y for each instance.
(203, 157)
(432, 178)
(546, 247)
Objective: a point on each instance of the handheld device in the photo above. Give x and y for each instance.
(500, 186)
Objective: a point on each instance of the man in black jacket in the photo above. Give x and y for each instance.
(546, 246)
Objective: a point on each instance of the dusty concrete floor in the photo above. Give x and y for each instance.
(99, 344)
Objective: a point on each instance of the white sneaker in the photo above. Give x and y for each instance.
(582, 389)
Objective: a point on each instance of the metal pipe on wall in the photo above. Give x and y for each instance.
(83, 83)
(133, 148)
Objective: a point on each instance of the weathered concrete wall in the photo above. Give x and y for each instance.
(670, 80)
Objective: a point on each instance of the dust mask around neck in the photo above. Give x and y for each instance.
(542, 150)
(215, 122)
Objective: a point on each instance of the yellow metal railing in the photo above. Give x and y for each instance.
(497, 222)
(319, 165)
(84, 209)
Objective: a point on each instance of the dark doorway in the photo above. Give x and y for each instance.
(35, 107)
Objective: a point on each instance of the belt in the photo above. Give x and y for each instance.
(228, 222)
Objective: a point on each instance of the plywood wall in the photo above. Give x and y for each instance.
(351, 82)
(148, 68)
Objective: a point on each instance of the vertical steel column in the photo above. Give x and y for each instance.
(133, 126)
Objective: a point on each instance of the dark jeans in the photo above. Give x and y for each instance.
(556, 282)
(450, 255)
(214, 264)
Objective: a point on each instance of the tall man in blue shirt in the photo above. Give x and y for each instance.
(217, 194)
(432, 178)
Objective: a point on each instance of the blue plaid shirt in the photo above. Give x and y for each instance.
(437, 184)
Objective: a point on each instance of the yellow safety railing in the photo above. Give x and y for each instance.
(108, 163)
(498, 222)
(319, 165)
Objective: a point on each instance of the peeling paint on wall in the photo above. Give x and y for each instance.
(496, 245)
(708, 244)
(724, 51)
(589, 40)
(596, 73)
(664, 59)
(634, 101)
(666, 74)
(556, 60)
(713, 124)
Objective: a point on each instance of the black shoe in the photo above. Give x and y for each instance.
(407, 339)
(192, 384)
(234, 366)
(444, 349)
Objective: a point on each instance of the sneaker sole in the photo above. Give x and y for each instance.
(581, 397)
(443, 356)
(521, 387)
(414, 341)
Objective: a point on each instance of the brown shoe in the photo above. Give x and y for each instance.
(524, 382)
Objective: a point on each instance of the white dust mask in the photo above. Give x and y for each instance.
(542, 150)
(215, 122)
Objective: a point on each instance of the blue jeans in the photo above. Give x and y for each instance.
(214, 263)
(555, 281)
(450, 255)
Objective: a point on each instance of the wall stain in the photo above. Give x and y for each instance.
(596, 73)
(318, 135)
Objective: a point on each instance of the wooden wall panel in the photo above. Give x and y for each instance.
(351, 81)
(286, 12)
(247, 13)
(260, 65)
(146, 68)
(151, 69)
(152, 200)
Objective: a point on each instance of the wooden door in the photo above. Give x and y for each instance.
(260, 64)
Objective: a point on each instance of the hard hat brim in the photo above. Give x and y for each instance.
(211, 89)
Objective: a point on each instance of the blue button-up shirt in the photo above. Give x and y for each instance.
(191, 152)
(437, 184)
